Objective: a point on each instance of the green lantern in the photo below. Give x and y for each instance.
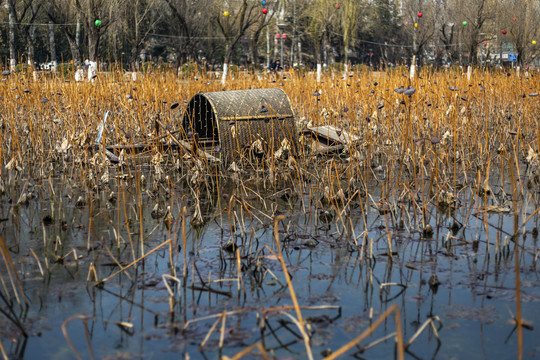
(464, 23)
(97, 22)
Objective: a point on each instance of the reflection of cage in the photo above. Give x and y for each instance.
(235, 120)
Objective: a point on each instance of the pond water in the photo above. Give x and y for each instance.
(70, 242)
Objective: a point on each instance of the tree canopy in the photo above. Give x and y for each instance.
(245, 32)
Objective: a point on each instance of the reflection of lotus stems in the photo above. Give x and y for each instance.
(16, 291)
(84, 318)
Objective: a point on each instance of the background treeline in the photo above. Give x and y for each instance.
(237, 31)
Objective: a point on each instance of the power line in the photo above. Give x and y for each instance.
(190, 37)
(222, 37)
(402, 45)
(38, 24)
(158, 35)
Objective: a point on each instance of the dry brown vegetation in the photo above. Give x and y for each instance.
(430, 161)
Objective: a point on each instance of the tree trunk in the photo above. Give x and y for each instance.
(12, 55)
(93, 42)
(225, 72)
(414, 46)
(324, 51)
(267, 47)
(31, 47)
(135, 39)
(318, 57)
(254, 41)
(78, 35)
(52, 46)
(254, 51)
(75, 50)
(345, 61)
(93, 50)
(226, 60)
(473, 59)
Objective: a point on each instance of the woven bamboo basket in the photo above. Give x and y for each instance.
(230, 124)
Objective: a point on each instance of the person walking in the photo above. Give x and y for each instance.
(274, 67)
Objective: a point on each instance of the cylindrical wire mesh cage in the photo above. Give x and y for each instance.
(235, 123)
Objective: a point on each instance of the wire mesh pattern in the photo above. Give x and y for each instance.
(241, 121)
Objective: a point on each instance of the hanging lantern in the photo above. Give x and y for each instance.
(464, 23)
(97, 22)
(278, 36)
(504, 32)
(514, 18)
(534, 42)
(265, 11)
(225, 13)
(338, 6)
(415, 25)
(284, 36)
(263, 3)
(485, 43)
(420, 14)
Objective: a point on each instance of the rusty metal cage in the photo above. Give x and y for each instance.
(230, 124)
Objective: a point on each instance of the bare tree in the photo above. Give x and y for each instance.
(91, 11)
(52, 44)
(476, 13)
(521, 20)
(351, 11)
(181, 13)
(140, 18)
(419, 22)
(22, 15)
(261, 22)
(30, 29)
(446, 30)
(12, 16)
(64, 12)
(317, 25)
(233, 26)
(384, 28)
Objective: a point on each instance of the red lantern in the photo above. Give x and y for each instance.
(485, 43)
(504, 32)
(338, 6)
(514, 18)
(278, 36)
(371, 54)
(265, 11)
(419, 15)
(284, 36)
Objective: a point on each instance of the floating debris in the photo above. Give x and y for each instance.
(427, 231)
(409, 91)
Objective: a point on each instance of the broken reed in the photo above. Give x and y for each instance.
(443, 139)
